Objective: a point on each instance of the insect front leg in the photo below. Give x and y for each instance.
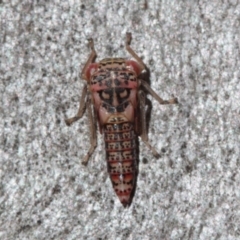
(93, 131)
(82, 107)
(130, 50)
(83, 101)
(91, 58)
(143, 125)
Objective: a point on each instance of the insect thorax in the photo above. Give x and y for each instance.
(114, 83)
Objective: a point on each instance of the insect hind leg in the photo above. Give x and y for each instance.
(93, 132)
(85, 102)
(143, 131)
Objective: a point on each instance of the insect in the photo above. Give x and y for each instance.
(115, 95)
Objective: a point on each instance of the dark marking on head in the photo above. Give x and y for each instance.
(108, 83)
(109, 108)
(122, 107)
(99, 78)
(124, 76)
(117, 82)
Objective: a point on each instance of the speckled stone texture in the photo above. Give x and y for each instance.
(192, 50)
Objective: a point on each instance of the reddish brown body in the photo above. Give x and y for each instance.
(114, 89)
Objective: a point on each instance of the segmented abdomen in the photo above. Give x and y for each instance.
(121, 153)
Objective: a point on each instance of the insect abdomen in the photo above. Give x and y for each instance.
(121, 153)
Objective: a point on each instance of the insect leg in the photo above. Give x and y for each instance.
(82, 104)
(91, 58)
(142, 65)
(93, 131)
(130, 50)
(82, 107)
(144, 136)
(155, 95)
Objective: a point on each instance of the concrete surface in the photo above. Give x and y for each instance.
(192, 50)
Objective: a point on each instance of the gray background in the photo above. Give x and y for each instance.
(192, 50)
